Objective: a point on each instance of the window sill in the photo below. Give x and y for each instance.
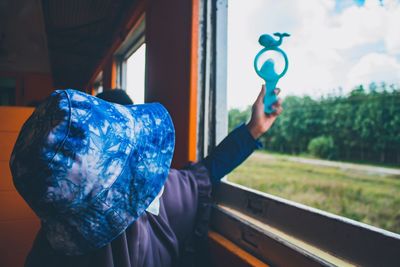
(283, 232)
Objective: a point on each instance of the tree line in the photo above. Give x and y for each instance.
(363, 125)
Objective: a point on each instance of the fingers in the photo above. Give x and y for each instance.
(277, 107)
(260, 97)
(260, 101)
(278, 111)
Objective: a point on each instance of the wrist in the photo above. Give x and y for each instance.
(254, 130)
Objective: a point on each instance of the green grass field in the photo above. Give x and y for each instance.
(363, 196)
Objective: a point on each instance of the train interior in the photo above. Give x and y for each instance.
(85, 45)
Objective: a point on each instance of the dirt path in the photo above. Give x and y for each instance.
(342, 165)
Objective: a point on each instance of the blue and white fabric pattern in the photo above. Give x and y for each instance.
(89, 168)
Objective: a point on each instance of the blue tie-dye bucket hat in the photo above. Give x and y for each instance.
(89, 168)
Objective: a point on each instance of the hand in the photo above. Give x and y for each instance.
(260, 122)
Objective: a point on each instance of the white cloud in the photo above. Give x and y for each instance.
(326, 47)
(374, 67)
(392, 36)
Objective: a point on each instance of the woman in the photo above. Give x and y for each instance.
(98, 176)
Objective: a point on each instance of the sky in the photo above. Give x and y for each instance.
(333, 44)
(136, 74)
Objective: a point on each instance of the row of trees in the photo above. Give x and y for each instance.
(363, 125)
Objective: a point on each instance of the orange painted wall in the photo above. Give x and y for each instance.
(168, 70)
(110, 75)
(36, 87)
(18, 224)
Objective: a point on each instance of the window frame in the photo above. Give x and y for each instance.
(325, 239)
(134, 40)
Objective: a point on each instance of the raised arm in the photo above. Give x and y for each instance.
(242, 141)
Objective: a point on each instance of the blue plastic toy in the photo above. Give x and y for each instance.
(267, 70)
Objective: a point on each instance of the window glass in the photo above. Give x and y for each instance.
(337, 144)
(98, 84)
(135, 75)
(8, 86)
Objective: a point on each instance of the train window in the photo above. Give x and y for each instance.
(131, 63)
(336, 147)
(98, 84)
(7, 91)
(135, 75)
